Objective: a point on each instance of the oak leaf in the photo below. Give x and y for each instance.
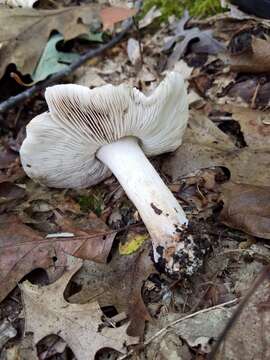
(23, 249)
(19, 46)
(118, 284)
(80, 325)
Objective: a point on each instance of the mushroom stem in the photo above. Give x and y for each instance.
(159, 210)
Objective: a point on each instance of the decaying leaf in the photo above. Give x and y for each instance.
(6, 158)
(133, 243)
(23, 350)
(112, 15)
(18, 3)
(247, 208)
(255, 126)
(201, 41)
(248, 337)
(133, 50)
(88, 76)
(10, 194)
(80, 325)
(23, 249)
(118, 284)
(7, 331)
(52, 60)
(19, 46)
(206, 146)
(254, 56)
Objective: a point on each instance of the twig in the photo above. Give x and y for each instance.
(264, 274)
(165, 329)
(15, 100)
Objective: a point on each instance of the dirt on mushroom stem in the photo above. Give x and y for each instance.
(196, 244)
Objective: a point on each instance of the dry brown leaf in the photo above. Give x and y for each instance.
(22, 250)
(255, 126)
(206, 146)
(19, 46)
(79, 325)
(247, 208)
(254, 59)
(118, 284)
(112, 15)
(7, 332)
(6, 158)
(10, 195)
(248, 338)
(24, 350)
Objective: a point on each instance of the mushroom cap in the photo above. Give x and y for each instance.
(60, 145)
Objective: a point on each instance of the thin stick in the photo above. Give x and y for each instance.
(165, 329)
(15, 100)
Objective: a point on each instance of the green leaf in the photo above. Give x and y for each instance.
(52, 60)
(95, 37)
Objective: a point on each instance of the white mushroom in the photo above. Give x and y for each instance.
(86, 132)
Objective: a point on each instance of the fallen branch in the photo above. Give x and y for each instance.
(164, 330)
(15, 100)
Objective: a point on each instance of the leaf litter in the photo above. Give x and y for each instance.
(220, 175)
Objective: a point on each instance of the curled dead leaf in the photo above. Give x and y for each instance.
(254, 56)
(247, 208)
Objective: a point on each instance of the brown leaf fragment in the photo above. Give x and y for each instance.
(248, 337)
(118, 284)
(25, 350)
(7, 331)
(6, 158)
(206, 146)
(254, 58)
(79, 325)
(247, 208)
(10, 194)
(19, 46)
(23, 249)
(254, 125)
(112, 15)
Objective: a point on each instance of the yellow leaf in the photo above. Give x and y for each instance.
(133, 243)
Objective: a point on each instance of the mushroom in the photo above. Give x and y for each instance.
(87, 132)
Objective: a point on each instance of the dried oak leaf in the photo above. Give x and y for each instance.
(79, 325)
(118, 284)
(19, 46)
(23, 249)
(206, 146)
(247, 208)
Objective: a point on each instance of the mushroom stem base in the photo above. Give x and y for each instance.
(161, 213)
